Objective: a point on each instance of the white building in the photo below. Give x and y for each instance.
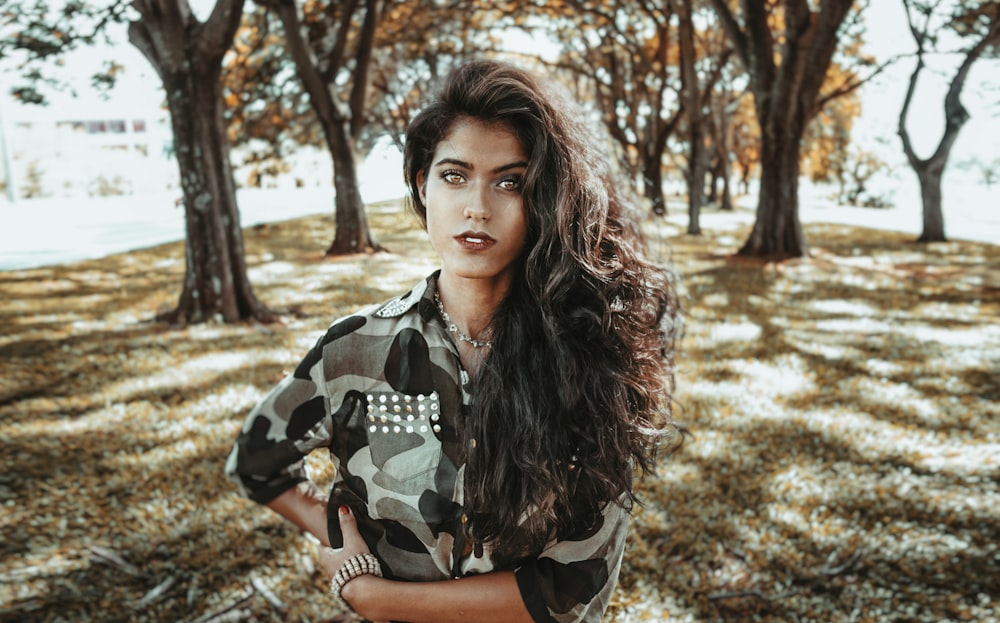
(87, 144)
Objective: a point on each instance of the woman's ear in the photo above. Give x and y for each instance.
(422, 187)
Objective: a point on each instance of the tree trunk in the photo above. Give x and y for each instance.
(777, 232)
(652, 183)
(722, 140)
(353, 234)
(713, 181)
(691, 95)
(724, 173)
(696, 181)
(930, 195)
(188, 57)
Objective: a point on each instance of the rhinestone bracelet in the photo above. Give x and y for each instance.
(357, 565)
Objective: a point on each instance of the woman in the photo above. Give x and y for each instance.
(486, 424)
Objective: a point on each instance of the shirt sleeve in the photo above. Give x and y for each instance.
(573, 579)
(291, 421)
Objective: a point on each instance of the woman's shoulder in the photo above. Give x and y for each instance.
(387, 317)
(404, 303)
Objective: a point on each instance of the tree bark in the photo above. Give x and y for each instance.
(777, 232)
(652, 184)
(930, 197)
(722, 140)
(187, 55)
(713, 180)
(352, 234)
(691, 95)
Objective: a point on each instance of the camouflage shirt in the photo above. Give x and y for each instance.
(384, 391)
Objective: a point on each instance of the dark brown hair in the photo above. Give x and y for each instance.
(576, 391)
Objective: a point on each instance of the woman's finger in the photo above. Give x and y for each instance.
(353, 543)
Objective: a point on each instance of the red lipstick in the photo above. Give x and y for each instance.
(475, 241)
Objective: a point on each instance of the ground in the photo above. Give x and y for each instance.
(843, 462)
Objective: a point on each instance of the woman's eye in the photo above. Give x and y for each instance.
(452, 177)
(510, 183)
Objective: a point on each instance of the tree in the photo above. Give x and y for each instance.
(623, 51)
(786, 51)
(696, 98)
(187, 55)
(981, 21)
(317, 42)
(723, 131)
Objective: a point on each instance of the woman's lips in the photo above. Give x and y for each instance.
(475, 241)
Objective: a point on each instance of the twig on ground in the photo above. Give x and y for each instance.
(111, 556)
(227, 612)
(751, 593)
(831, 571)
(267, 594)
(157, 593)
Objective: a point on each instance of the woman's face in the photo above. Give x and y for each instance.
(475, 210)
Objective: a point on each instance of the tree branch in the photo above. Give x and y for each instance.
(851, 86)
(733, 31)
(215, 35)
(359, 88)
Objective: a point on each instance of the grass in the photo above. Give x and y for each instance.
(844, 463)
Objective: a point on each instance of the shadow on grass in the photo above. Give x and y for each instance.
(845, 456)
(843, 464)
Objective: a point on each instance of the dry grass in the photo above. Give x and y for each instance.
(844, 464)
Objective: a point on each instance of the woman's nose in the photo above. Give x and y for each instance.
(477, 206)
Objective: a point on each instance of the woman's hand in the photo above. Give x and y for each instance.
(331, 560)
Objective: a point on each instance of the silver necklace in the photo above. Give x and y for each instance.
(454, 330)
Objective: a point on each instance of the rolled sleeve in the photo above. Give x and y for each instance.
(291, 421)
(573, 579)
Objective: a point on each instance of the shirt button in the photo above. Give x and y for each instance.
(465, 518)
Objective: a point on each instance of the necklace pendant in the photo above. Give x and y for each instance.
(453, 328)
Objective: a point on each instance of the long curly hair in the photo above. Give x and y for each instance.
(577, 389)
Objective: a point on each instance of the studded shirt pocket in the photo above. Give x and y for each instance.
(402, 434)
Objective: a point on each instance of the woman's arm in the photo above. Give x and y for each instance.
(305, 506)
(487, 598)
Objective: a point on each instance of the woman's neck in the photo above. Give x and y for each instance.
(471, 303)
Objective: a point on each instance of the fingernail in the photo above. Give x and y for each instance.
(344, 510)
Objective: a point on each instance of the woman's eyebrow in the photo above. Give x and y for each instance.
(454, 161)
(520, 164)
(466, 165)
